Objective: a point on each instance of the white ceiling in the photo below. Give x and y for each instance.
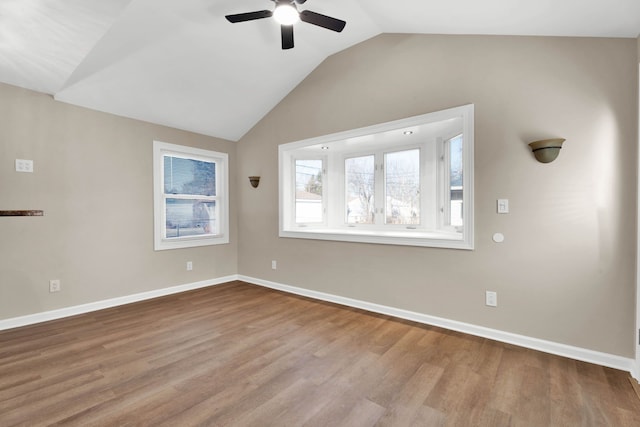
(180, 63)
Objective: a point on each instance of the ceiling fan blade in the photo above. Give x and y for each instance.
(323, 21)
(249, 16)
(287, 36)
(300, 1)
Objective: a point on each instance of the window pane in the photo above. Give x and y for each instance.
(455, 179)
(190, 218)
(402, 187)
(188, 176)
(308, 191)
(359, 177)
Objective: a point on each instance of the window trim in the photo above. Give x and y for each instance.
(160, 149)
(366, 234)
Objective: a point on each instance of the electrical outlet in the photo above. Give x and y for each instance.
(189, 265)
(274, 265)
(491, 298)
(54, 285)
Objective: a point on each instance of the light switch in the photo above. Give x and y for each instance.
(24, 165)
(503, 206)
(491, 298)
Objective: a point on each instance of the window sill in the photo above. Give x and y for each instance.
(391, 237)
(190, 242)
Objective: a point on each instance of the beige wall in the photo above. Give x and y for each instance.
(93, 179)
(566, 271)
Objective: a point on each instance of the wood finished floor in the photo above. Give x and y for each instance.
(241, 355)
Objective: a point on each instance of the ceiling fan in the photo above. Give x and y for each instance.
(286, 14)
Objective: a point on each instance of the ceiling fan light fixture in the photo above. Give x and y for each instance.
(286, 14)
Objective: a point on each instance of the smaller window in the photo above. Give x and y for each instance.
(360, 191)
(456, 187)
(190, 197)
(402, 187)
(309, 201)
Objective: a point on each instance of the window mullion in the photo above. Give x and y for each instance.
(189, 197)
(379, 190)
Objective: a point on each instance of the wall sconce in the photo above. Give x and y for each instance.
(254, 180)
(546, 150)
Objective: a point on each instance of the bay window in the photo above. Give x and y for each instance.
(407, 182)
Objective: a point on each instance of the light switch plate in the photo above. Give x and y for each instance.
(491, 298)
(23, 165)
(503, 206)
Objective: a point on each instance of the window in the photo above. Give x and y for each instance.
(190, 197)
(452, 168)
(402, 187)
(408, 182)
(360, 190)
(309, 201)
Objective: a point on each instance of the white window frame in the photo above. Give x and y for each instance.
(431, 232)
(444, 179)
(161, 242)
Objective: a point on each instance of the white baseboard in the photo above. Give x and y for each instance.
(635, 371)
(577, 353)
(113, 302)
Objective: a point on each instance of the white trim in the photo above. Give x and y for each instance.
(418, 238)
(635, 372)
(577, 353)
(221, 199)
(46, 316)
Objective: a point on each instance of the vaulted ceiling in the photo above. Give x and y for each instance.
(180, 63)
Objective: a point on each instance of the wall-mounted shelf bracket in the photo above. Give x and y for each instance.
(22, 213)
